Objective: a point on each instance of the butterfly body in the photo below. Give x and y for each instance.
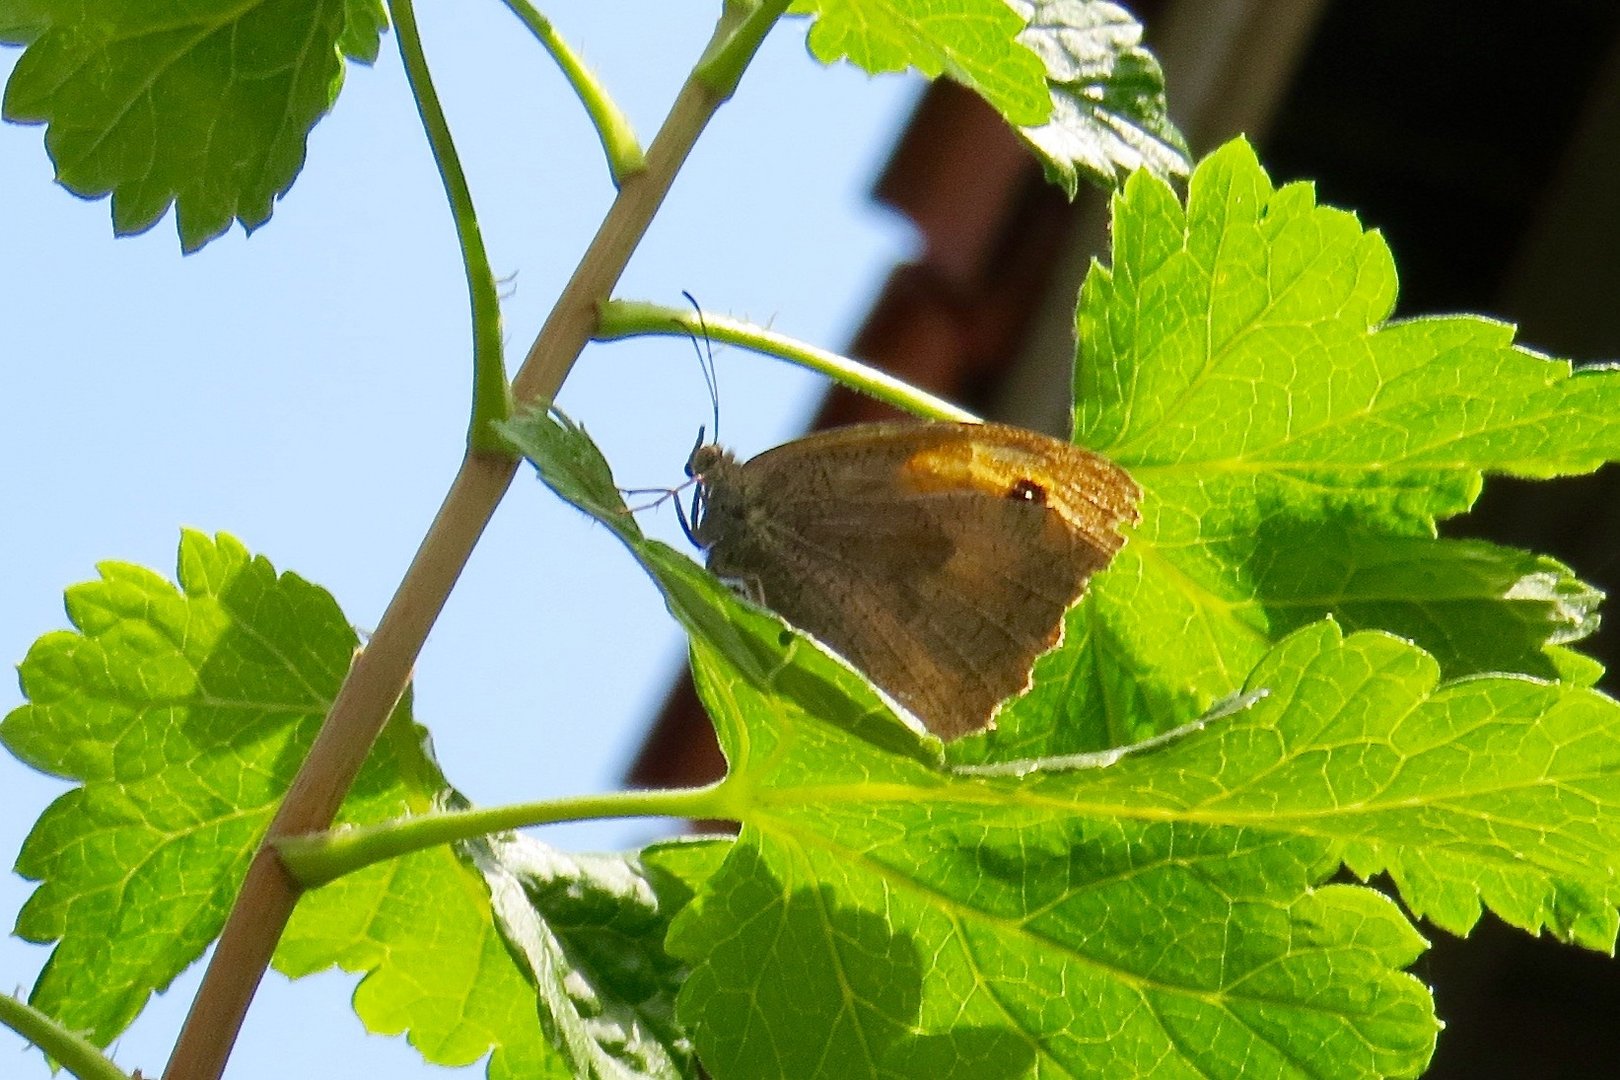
(938, 558)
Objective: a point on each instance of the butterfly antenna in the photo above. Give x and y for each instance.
(706, 361)
(693, 454)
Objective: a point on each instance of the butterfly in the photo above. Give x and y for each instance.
(937, 558)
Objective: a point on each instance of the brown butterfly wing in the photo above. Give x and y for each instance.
(946, 606)
(937, 558)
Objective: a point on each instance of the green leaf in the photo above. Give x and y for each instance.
(975, 42)
(421, 931)
(589, 931)
(23, 20)
(1069, 75)
(184, 714)
(1495, 789)
(882, 915)
(202, 107)
(1479, 607)
(679, 868)
(553, 960)
(363, 24)
(1296, 451)
(181, 715)
(1109, 116)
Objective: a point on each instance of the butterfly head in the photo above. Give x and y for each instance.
(710, 467)
(703, 458)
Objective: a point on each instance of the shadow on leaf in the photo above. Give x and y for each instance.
(794, 982)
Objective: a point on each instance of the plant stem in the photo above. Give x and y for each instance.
(490, 402)
(634, 318)
(613, 128)
(68, 1049)
(381, 670)
(318, 858)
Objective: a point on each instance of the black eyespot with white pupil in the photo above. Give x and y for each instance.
(1026, 490)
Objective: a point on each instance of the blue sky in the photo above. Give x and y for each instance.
(305, 389)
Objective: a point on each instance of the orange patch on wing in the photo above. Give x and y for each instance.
(955, 467)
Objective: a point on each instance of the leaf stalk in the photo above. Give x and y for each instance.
(613, 128)
(315, 859)
(490, 401)
(636, 318)
(68, 1049)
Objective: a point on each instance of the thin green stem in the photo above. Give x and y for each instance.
(635, 318)
(490, 400)
(69, 1049)
(317, 858)
(624, 155)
